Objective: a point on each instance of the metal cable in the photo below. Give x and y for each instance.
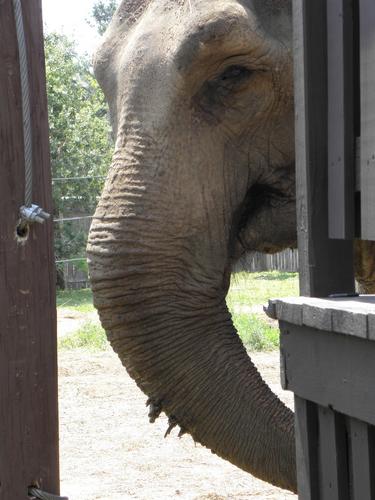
(69, 219)
(42, 495)
(76, 259)
(63, 179)
(24, 73)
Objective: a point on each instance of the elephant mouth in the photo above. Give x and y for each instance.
(257, 196)
(265, 221)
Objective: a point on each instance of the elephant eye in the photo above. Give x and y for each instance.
(220, 92)
(230, 80)
(235, 73)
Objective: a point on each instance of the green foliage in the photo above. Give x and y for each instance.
(78, 300)
(90, 336)
(101, 14)
(70, 239)
(79, 141)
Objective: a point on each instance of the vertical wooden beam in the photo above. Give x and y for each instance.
(306, 426)
(325, 265)
(333, 466)
(367, 48)
(362, 459)
(341, 140)
(28, 352)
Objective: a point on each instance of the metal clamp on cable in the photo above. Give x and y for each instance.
(42, 495)
(29, 212)
(34, 214)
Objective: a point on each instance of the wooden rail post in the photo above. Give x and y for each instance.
(367, 47)
(28, 352)
(325, 265)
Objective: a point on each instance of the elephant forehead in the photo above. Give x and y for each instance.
(165, 39)
(224, 24)
(181, 29)
(177, 37)
(171, 39)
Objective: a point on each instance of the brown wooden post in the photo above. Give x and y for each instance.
(28, 352)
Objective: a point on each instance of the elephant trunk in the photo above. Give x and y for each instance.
(163, 307)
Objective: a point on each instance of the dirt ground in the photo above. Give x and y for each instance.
(69, 320)
(109, 451)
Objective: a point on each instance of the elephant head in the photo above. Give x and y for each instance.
(201, 101)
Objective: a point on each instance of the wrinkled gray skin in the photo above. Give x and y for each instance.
(200, 93)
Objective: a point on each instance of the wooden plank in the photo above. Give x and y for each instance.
(28, 364)
(333, 452)
(324, 264)
(367, 48)
(371, 326)
(306, 426)
(317, 316)
(341, 141)
(349, 322)
(330, 369)
(292, 313)
(362, 459)
(350, 316)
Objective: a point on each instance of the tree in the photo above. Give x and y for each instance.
(79, 141)
(102, 13)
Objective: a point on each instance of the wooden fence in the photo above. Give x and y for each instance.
(75, 277)
(286, 261)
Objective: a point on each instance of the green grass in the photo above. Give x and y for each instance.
(90, 336)
(251, 289)
(256, 333)
(79, 300)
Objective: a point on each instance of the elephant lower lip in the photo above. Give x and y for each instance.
(254, 199)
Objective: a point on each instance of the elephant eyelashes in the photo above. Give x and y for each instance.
(232, 79)
(235, 74)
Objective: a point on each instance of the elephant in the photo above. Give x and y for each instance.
(200, 94)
